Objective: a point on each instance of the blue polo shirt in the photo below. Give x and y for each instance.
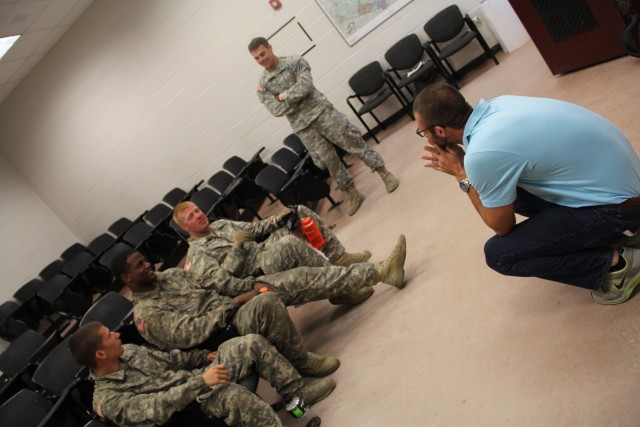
(561, 152)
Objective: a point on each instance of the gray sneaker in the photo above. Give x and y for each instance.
(619, 285)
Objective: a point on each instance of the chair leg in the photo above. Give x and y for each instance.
(368, 129)
(334, 204)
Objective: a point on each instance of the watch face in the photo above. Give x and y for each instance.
(465, 185)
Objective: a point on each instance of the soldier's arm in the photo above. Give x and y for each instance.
(275, 107)
(152, 408)
(303, 86)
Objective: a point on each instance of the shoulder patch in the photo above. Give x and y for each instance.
(140, 325)
(97, 408)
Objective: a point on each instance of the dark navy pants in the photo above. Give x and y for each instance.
(568, 245)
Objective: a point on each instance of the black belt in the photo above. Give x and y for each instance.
(631, 202)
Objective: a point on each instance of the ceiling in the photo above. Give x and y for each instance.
(41, 24)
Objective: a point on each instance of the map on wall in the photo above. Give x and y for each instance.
(355, 18)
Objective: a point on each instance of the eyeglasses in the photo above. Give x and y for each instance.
(422, 132)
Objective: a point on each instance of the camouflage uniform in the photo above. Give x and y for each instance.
(215, 254)
(151, 384)
(314, 119)
(183, 310)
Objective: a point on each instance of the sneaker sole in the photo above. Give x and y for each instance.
(625, 293)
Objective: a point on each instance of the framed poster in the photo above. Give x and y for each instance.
(355, 18)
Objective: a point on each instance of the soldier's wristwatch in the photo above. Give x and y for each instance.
(465, 185)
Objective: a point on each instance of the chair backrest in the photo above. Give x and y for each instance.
(20, 352)
(101, 243)
(15, 319)
(108, 256)
(58, 370)
(406, 53)
(294, 142)
(158, 215)
(445, 25)
(368, 79)
(25, 409)
(120, 227)
(73, 250)
(137, 233)
(286, 159)
(111, 310)
(53, 268)
(29, 290)
(220, 181)
(234, 165)
(272, 179)
(175, 196)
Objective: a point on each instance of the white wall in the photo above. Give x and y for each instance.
(32, 234)
(141, 96)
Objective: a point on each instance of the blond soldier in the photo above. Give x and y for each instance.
(226, 247)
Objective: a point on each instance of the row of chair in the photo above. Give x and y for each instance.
(412, 64)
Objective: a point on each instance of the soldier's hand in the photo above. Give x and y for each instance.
(243, 298)
(216, 374)
(282, 216)
(212, 356)
(242, 236)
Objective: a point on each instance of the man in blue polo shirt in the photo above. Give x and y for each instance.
(571, 172)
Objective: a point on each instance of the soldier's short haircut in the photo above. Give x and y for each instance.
(84, 343)
(257, 42)
(442, 105)
(119, 263)
(178, 210)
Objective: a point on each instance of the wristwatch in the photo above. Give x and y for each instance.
(465, 185)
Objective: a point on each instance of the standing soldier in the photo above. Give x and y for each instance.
(286, 88)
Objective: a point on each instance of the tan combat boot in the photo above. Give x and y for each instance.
(391, 270)
(317, 366)
(354, 298)
(390, 181)
(356, 199)
(346, 259)
(314, 393)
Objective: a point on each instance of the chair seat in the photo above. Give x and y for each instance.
(375, 101)
(457, 44)
(422, 73)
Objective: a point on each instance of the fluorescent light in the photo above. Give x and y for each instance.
(6, 43)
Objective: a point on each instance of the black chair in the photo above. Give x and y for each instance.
(62, 380)
(101, 244)
(72, 251)
(116, 313)
(15, 319)
(25, 409)
(246, 169)
(407, 56)
(53, 268)
(65, 296)
(120, 227)
(448, 26)
(165, 241)
(301, 188)
(372, 88)
(27, 293)
(90, 275)
(17, 361)
(175, 196)
(295, 144)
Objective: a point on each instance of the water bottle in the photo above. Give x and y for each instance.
(300, 415)
(312, 232)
